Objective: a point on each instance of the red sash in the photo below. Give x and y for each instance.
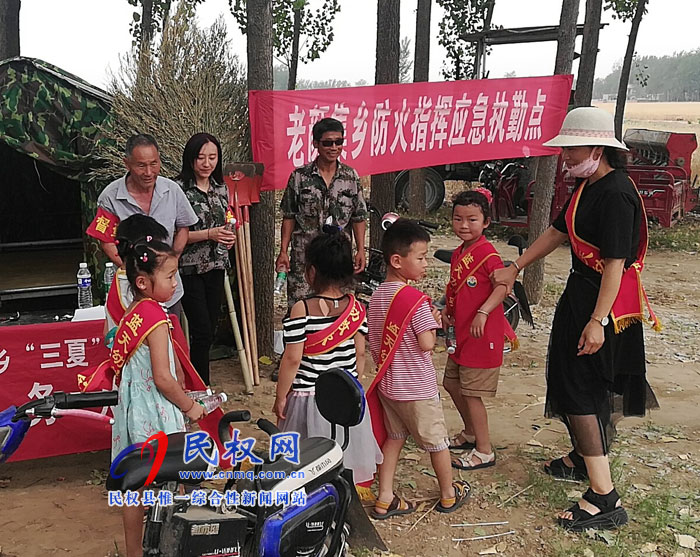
(115, 301)
(103, 376)
(403, 307)
(344, 328)
(104, 226)
(628, 307)
(463, 272)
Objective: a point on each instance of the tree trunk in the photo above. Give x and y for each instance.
(416, 189)
(294, 60)
(546, 170)
(589, 53)
(146, 25)
(627, 68)
(262, 215)
(386, 71)
(9, 28)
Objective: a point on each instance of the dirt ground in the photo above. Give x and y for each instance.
(58, 506)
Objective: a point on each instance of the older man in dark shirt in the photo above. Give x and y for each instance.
(325, 188)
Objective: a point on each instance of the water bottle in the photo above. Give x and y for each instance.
(84, 287)
(221, 249)
(209, 401)
(451, 340)
(198, 395)
(279, 282)
(212, 402)
(108, 277)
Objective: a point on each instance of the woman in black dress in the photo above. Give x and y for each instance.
(596, 370)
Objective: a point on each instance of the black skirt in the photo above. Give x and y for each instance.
(608, 384)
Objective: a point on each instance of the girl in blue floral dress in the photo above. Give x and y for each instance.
(150, 397)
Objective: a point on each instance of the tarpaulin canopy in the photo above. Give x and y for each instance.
(50, 114)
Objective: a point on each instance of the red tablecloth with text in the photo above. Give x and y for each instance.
(37, 360)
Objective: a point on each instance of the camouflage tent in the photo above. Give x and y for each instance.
(50, 115)
(49, 132)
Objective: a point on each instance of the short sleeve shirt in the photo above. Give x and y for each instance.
(310, 202)
(411, 374)
(210, 208)
(310, 367)
(485, 352)
(169, 207)
(608, 216)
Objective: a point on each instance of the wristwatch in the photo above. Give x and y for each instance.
(604, 321)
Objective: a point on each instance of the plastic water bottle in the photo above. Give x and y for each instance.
(212, 402)
(221, 249)
(209, 401)
(451, 340)
(108, 276)
(84, 287)
(198, 395)
(279, 282)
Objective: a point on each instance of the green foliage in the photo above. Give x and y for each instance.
(622, 9)
(461, 17)
(316, 33)
(159, 15)
(405, 62)
(192, 84)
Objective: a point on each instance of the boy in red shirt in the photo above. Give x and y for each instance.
(475, 308)
(403, 399)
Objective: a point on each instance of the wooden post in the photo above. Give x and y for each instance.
(250, 302)
(242, 356)
(240, 241)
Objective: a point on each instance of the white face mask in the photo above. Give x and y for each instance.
(584, 169)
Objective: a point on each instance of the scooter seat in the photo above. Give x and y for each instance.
(131, 472)
(317, 457)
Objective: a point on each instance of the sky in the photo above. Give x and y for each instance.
(87, 37)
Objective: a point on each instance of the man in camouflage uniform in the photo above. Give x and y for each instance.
(321, 189)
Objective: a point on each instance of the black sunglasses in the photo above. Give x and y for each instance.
(331, 142)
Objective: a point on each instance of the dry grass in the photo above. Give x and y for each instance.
(190, 83)
(674, 117)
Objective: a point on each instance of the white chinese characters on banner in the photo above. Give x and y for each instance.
(534, 126)
(400, 120)
(40, 391)
(438, 129)
(419, 127)
(516, 118)
(419, 124)
(315, 114)
(53, 354)
(360, 133)
(380, 128)
(296, 131)
(4, 360)
(459, 121)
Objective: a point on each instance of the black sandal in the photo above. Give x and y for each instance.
(610, 516)
(559, 469)
(394, 508)
(462, 492)
(465, 444)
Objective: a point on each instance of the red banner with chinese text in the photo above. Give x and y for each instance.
(38, 360)
(410, 125)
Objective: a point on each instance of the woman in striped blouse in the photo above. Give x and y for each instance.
(322, 332)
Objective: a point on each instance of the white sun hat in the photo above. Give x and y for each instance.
(587, 126)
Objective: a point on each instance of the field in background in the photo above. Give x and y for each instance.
(672, 117)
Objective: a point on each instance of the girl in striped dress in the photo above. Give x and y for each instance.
(322, 332)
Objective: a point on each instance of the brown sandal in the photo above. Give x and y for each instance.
(398, 506)
(462, 493)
